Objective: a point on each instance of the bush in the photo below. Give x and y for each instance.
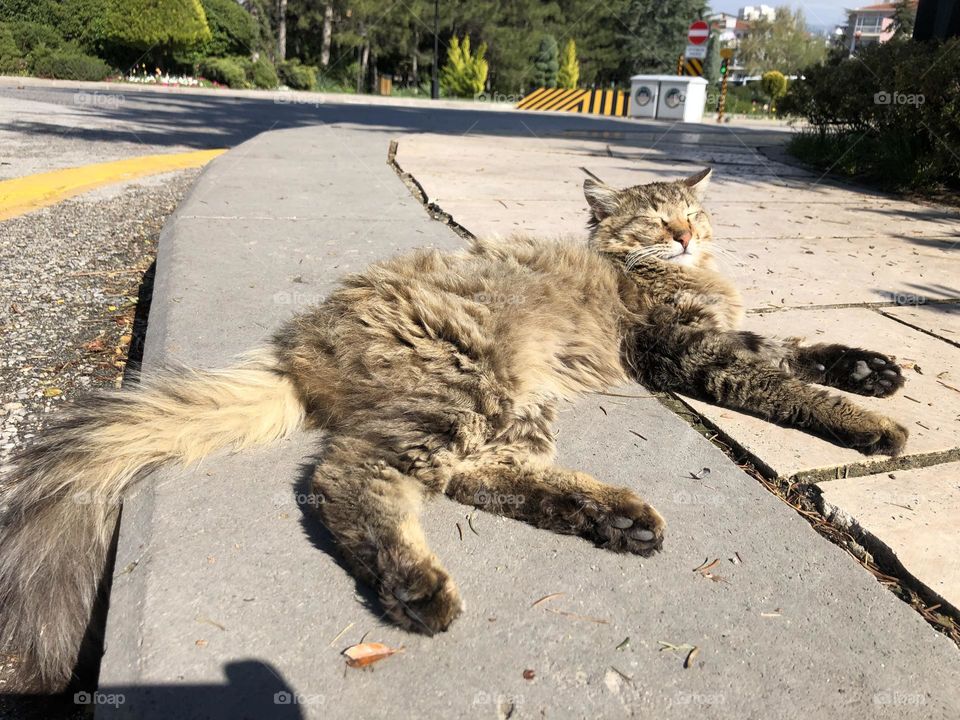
(69, 64)
(11, 59)
(154, 26)
(81, 21)
(30, 35)
(464, 74)
(262, 74)
(899, 101)
(226, 71)
(233, 30)
(297, 76)
(569, 73)
(774, 85)
(546, 64)
(38, 11)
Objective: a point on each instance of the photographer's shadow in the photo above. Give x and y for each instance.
(254, 690)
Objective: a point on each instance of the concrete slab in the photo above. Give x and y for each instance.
(786, 237)
(228, 600)
(936, 319)
(777, 227)
(929, 410)
(910, 515)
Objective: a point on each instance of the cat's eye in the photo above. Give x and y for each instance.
(692, 213)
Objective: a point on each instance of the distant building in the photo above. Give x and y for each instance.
(870, 24)
(751, 13)
(729, 28)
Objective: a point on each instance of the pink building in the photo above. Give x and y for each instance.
(870, 24)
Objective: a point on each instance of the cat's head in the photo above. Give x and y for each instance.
(662, 221)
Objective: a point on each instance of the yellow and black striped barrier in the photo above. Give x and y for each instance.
(594, 102)
(693, 67)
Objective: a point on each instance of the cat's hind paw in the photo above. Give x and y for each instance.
(420, 596)
(883, 437)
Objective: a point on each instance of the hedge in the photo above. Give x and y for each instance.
(70, 65)
(899, 101)
(297, 76)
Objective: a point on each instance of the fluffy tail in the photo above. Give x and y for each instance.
(59, 499)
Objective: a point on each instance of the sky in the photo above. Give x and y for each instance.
(820, 13)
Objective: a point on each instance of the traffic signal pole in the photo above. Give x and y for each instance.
(727, 55)
(721, 103)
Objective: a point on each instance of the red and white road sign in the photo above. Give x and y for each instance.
(699, 33)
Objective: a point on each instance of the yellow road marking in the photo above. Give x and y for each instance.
(23, 194)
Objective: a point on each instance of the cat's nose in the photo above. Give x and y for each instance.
(683, 238)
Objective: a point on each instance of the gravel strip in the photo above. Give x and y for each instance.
(70, 276)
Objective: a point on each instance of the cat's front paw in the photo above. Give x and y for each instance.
(420, 596)
(625, 523)
(858, 371)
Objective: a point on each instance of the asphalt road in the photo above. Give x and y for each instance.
(64, 124)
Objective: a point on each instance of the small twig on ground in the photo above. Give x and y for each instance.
(341, 634)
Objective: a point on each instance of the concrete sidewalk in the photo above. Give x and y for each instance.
(229, 601)
(815, 259)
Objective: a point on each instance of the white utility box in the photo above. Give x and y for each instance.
(643, 97)
(674, 97)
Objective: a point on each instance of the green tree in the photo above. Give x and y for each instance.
(774, 86)
(783, 44)
(465, 73)
(512, 31)
(233, 30)
(157, 27)
(653, 34)
(569, 73)
(711, 66)
(904, 18)
(547, 63)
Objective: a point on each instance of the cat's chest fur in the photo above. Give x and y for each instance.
(698, 297)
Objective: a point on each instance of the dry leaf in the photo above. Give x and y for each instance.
(95, 345)
(368, 653)
(52, 392)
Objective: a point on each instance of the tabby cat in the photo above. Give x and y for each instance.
(434, 373)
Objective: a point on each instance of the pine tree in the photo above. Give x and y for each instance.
(569, 73)
(547, 63)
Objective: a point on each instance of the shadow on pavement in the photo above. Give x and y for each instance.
(205, 121)
(253, 689)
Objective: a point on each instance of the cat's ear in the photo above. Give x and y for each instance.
(604, 200)
(698, 183)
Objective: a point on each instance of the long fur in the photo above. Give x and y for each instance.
(59, 500)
